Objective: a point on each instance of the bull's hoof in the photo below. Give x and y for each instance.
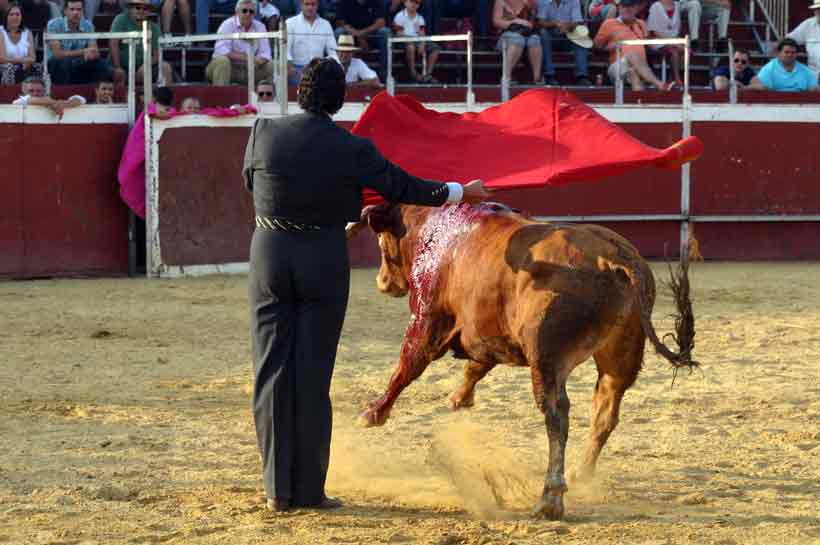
(371, 418)
(550, 506)
(460, 400)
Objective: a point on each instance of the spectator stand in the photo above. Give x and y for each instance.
(131, 38)
(279, 53)
(391, 82)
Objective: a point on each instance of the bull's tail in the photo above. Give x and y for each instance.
(684, 335)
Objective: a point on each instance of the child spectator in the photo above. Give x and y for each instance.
(409, 22)
(104, 92)
(190, 105)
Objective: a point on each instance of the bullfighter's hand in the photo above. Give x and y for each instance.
(474, 191)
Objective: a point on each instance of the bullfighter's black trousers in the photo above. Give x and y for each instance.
(298, 290)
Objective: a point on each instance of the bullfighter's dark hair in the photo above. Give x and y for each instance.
(322, 87)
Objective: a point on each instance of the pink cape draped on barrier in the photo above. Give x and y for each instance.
(540, 137)
(131, 172)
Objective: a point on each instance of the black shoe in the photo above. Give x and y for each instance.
(583, 81)
(278, 504)
(694, 45)
(550, 81)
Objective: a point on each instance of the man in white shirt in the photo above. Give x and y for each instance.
(34, 94)
(309, 36)
(229, 63)
(808, 33)
(357, 73)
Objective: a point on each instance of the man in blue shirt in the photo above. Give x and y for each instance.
(74, 61)
(556, 19)
(785, 73)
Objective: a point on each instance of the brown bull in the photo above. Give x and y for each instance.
(495, 287)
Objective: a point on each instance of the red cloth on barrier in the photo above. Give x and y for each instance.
(540, 137)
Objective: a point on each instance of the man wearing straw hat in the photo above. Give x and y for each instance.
(561, 27)
(131, 21)
(229, 63)
(808, 33)
(357, 73)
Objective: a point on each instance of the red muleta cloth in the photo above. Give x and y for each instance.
(540, 137)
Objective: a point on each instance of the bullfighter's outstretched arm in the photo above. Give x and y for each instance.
(372, 170)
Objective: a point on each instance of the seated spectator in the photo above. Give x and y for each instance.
(75, 61)
(515, 19)
(163, 105)
(229, 63)
(602, 9)
(633, 66)
(204, 9)
(268, 14)
(190, 105)
(104, 92)
(17, 52)
(138, 11)
(785, 72)
(664, 22)
(357, 73)
(808, 33)
(365, 21)
(708, 10)
(556, 19)
(409, 22)
(309, 36)
(743, 72)
(34, 94)
(265, 91)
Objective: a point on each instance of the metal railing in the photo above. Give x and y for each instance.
(279, 59)
(776, 15)
(391, 82)
(132, 38)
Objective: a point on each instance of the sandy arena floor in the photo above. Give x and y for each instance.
(125, 420)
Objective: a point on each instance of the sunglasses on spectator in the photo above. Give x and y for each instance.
(741, 61)
(247, 10)
(265, 93)
(140, 8)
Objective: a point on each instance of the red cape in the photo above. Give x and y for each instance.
(540, 137)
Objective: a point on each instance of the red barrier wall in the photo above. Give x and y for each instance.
(748, 168)
(60, 213)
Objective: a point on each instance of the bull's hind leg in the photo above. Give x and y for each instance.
(619, 362)
(464, 396)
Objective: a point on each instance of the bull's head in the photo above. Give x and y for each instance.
(386, 221)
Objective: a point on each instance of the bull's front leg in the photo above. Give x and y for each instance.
(555, 406)
(418, 349)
